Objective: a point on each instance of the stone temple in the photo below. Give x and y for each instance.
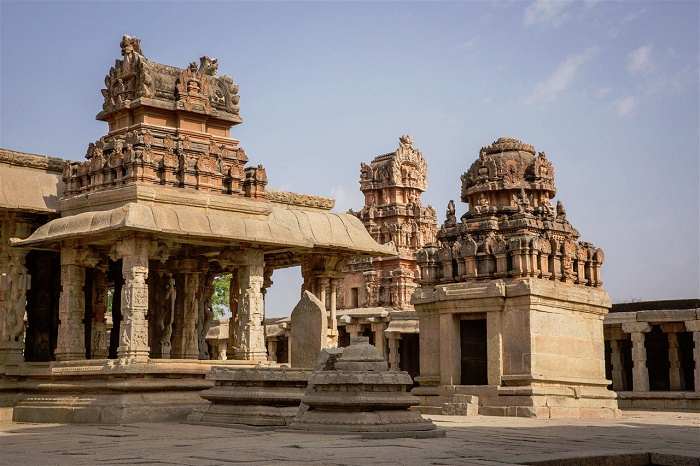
(107, 268)
(161, 204)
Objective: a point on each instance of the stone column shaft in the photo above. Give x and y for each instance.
(378, 330)
(617, 369)
(14, 284)
(272, 349)
(394, 357)
(353, 330)
(675, 370)
(249, 330)
(71, 308)
(133, 332)
(640, 373)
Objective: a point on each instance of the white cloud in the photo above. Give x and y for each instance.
(639, 60)
(553, 12)
(468, 44)
(561, 78)
(625, 105)
(631, 16)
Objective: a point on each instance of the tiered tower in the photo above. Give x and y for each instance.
(392, 185)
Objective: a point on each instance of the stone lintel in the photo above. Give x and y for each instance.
(692, 325)
(636, 327)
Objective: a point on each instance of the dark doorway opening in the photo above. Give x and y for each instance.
(656, 344)
(473, 349)
(685, 346)
(409, 351)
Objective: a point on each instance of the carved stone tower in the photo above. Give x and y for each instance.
(377, 290)
(511, 299)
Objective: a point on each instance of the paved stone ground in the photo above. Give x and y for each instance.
(478, 440)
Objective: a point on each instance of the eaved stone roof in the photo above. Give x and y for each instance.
(290, 227)
(29, 182)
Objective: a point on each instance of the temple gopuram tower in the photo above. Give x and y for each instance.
(511, 303)
(376, 294)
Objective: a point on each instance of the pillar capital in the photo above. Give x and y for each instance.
(636, 327)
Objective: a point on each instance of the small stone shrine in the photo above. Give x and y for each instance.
(511, 303)
(355, 392)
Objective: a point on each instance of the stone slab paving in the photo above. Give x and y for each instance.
(478, 440)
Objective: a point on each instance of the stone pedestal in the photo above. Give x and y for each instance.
(71, 310)
(254, 397)
(355, 393)
(640, 373)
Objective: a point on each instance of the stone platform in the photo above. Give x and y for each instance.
(106, 391)
(478, 440)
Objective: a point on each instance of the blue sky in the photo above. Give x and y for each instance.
(608, 90)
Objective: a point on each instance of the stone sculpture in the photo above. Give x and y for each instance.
(308, 335)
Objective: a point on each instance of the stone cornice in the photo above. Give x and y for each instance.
(37, 161)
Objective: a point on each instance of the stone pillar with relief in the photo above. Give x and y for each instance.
(14, 284)
(249, 330)
(99, 344)
(71, 308)
(185, 343)
(694, 326)
(332, 314)
(378, 330)
(640, 373)
(133, 332)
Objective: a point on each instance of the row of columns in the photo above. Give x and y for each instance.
(247, 340)
(640, 373)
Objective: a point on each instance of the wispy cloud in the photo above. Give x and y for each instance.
(625, 105)
(553, 12)
(602, 92)
(633, 15)
(639, 60)
(346, 198)
(468, 44)
(561, 78)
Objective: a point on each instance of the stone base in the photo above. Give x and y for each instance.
(661, 401)
(540, 400)
(387, 424)
(106, 391)
(252, 397)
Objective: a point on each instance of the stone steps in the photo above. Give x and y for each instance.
(453, 405)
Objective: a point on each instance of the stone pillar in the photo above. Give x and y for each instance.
(378, 330)
(14, 284)
(71, 308)
(100, 344)
(640, 373)
(450, 354)
(250, 333)
(324, 284)
(675, 369)
(272, 349)
(185, 339)
(694, 326)
(133, 333)
(618, 369)
(332, 318)
(394, 357)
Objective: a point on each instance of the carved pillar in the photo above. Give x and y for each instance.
(71, 308)
(675, 368)
(272, 349)
(250, 333)
(394, 358)
(204, 313)
(14, 284)
(100, 345)
(618, 383)
(378, 329)
(234, 298)
(694, 326)
(185, 340)
(133, 333)
(332, 317)
(640, 373)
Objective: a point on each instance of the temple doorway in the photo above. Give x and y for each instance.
(409, 351)
(656, 344)
(473, 352)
